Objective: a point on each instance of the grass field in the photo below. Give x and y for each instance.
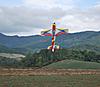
(51, 81)
(74, 64)
(66, 73)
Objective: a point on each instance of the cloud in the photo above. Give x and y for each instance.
(23, 19)
(49, 3)
(35, 15)
(83, 20)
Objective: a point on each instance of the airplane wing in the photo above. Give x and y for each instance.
(62, 31)
(46, 32)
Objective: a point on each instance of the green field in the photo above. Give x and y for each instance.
(50, 81)
(74, 64)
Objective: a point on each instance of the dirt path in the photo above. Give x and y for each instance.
(46, 71)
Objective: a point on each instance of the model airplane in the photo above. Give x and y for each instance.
(54, 34)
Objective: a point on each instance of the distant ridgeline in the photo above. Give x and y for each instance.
(88, 40)
(46, 57)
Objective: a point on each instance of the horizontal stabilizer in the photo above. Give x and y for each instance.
(55, 47)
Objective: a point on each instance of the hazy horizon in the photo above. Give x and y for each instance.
(40, 34)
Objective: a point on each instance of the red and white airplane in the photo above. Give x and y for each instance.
(54, 34)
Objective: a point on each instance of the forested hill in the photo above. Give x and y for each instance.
(83, 40)
(45, 57)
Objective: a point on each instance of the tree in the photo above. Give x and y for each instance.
(28, 61)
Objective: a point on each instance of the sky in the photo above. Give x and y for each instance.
(29, 17)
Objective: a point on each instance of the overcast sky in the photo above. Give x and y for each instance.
(29, 17)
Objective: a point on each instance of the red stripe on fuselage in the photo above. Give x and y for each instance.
(53, 37)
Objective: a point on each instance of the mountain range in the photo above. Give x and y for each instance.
(89, 40)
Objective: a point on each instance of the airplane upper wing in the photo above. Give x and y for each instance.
(62, 31)
(46, 32)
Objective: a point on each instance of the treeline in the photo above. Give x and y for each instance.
(45, 57)
(9, 62)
